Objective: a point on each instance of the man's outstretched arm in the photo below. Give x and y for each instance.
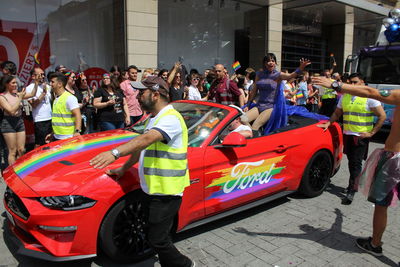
(391, 97)
(137, 144)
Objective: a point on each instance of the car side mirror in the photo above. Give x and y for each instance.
(233, 140)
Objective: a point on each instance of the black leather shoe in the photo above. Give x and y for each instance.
(349, 198)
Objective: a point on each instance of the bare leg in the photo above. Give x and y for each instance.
(379, 224)
(21, 137)
(252, 114)
(262, 119)
(11, 141)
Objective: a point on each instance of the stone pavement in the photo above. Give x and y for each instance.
(291, 231)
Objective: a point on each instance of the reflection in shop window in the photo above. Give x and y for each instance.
(78, 34)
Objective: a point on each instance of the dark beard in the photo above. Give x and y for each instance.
(147, 104)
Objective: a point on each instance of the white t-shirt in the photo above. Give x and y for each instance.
(248, 85)
(194, 93)
(242, 127)
(371, 103)
(170, 127)
(72, 103)
(42, 112)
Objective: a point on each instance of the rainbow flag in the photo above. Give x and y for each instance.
(299, 94)
(36, 57)
(236, 65)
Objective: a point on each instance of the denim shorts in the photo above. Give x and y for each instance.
(11, 124)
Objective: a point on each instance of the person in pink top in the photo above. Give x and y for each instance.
(130, 93)
(12, 124)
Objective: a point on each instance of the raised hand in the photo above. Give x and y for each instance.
(22, 94)
(304, 62)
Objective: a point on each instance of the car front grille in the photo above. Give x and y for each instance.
(15, 204)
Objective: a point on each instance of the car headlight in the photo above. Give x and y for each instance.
(72, 202)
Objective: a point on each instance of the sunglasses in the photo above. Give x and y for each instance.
(196, 79)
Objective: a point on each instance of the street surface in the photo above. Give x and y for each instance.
(291, 231)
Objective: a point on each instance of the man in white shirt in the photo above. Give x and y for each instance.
(41, 106)
(358, 128)
(66, 115)
(238, 125)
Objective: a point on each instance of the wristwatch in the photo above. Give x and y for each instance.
(77, 131)
(115, 153)
(337, 86)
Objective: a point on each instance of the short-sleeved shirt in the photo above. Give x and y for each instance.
(131, 98)
(42, 112)
(170, 128)
(176, 93)
(242, 127)
(110, 113)
(72, 103)
(194, 93)
(227, 96)
(371, 103)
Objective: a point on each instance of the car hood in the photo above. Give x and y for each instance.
(63, 166)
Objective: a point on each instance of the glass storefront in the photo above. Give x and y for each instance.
(79, 34)
(201, 33)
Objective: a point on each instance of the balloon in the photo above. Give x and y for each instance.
(387, 22)
(395, 13)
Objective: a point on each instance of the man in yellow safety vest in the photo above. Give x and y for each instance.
(162, 155)
(358, 127)
(66, 115)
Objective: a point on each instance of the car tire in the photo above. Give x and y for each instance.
(122, 235)
(317, 174)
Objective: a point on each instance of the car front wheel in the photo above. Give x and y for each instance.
(122, 235)
(317, 174)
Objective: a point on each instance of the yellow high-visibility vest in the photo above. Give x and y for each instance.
(356, 117)
(62, 121)
(165, 168)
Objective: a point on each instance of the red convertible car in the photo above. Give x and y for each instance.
(60, 208)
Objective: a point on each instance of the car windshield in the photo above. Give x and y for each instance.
(200, 121)
(380, 70)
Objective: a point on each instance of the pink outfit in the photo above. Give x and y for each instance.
(380, 176)
(130, 96)
(11, 99)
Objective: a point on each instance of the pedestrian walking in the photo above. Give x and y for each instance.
(380, 179)
(162, 155)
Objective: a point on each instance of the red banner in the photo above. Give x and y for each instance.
(25, 44)
(94, 76)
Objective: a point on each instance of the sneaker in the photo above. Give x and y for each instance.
(365, 244)
(193, 264)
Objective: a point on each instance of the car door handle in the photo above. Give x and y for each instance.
(194, 181)
(281, 148)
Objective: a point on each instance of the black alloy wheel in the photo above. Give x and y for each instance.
(317, 174)
(122, 235)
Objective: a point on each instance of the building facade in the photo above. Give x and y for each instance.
(85, 34)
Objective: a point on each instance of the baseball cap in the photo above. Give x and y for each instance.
(154, 83)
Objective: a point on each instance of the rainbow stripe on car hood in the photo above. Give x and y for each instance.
(40, 157)
(245, 178)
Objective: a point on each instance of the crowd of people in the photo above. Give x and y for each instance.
(64, 105)
(114, 104)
